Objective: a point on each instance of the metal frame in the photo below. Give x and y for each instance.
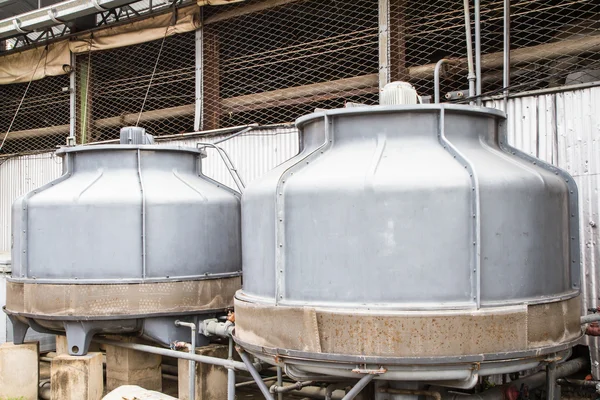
(348, 362)
(280, 199)
(475, 206)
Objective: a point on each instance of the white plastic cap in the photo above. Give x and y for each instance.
(398, 93)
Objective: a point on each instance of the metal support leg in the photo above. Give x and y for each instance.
(364, 381)
(19, 329)
(255, 375)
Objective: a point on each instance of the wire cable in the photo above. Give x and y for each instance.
(23, 97)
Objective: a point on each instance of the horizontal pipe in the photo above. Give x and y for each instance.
(177, 354)
(577, 382)
(290, 387)
(586, 319)
(427, 393)
(532, 381)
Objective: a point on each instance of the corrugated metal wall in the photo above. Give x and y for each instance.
(19, 175)
(564, 129)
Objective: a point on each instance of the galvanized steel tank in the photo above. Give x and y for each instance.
(411, 242)
(130, 238)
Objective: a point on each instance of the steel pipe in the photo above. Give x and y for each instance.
(279, 381)
(551, 381)
(436, 78)
(477, 51)
(257, 378)
(279, 388)
(586, 319)
(471, 69)
(360, 385)
(238, 366)
(230, 373)
(506, 69)
(532, 381)
(192, 363)
(428, 393)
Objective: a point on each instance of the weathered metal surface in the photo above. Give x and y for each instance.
(409, 334)
(88, 301)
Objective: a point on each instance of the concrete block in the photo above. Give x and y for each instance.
(211, 380)
(77, 377)
(131, 367)
(61, 345)
(19, 371)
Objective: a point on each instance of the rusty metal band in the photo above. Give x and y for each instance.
(458, 333)
(120, 299)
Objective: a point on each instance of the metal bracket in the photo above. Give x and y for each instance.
(52, 16)
(367, 371)
(97, 6)
(17, 24)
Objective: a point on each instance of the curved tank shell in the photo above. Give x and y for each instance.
(129, 239)
(405, 236)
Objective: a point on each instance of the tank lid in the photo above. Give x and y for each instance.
(425, 108)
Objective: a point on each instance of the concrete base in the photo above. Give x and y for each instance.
(77, 377)
(131, 367)
(19, 371)
(211, 380)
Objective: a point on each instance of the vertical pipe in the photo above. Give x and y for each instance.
(478, 51)
(384, 43)
(469, 39)
(436, 79)
(551, 381)
(230, 373)
(279, 382)
(192, 366)
(506, 70)
(72, 99)
(199, 80)
(255, 375)
(364, 381)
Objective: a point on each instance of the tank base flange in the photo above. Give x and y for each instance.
(80, 332)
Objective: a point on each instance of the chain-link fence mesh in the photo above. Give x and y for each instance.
(42, 122)
(122, 87)
(555, 43)
(272, 61)
(279, 63)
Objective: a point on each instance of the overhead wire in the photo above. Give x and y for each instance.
(44, 53)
